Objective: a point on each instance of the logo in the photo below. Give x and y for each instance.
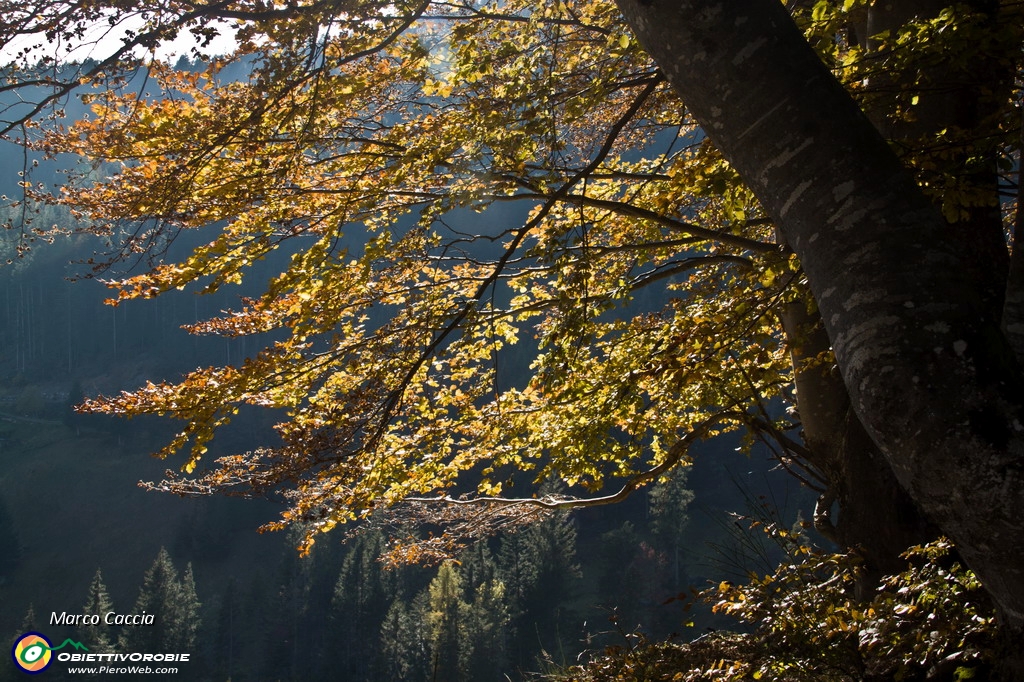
(33, 652)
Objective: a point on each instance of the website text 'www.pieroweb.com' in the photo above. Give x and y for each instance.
(121, 664)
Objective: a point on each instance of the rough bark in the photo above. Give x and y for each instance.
(876, 516)
(929, 373)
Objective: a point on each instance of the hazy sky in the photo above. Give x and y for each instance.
(103, 40)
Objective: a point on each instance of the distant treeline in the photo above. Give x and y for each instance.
(517, 605)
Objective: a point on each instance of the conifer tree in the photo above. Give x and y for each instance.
(477, 566)
(517, 570)
(319, 595)
(257, 625)
(98, 603)
(487, 629)
(539, 576)
(358, 606)
(896, 312)
(446, 623)
(8, 672)
(186, 617)
(174, 606)
(552, 547)
(158, 592)
(293, 619)
(669, 503)
(226, 636)
(29, 622)
(10, 543)
(485, 645)
(403, 648)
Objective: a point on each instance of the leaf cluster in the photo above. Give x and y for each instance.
(909, 75)
(810, 626)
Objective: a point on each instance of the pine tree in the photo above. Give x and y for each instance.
(186, 617)
(404, 652)
(256, 626)
(446, 623)
(477, 566)
(29, 622)
(548, 618)
(517, 569)
(98, 603)
(359, 603)
(486, 641)
(669, 503)
(227, 636)
(10, 543)
(157, 592)
(8, 672)
(914, 246)
(539, 574)
(174, 606)
(317, 620)
(285, 648)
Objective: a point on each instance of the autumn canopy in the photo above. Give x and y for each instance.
(515, 244)
(473, 198)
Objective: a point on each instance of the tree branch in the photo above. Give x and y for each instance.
(556, 502)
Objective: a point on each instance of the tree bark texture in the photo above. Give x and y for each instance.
(876, 516)
(929, 373)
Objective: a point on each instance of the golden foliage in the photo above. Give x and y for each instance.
(510, 249)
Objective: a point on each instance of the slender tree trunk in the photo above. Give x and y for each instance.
(1013, 312)
(928, 371)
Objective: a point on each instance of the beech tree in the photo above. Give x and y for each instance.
(915, 295)
(722, 207)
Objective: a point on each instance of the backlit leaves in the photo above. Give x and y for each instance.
(508, 249)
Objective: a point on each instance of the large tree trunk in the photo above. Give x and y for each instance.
(929, 373)
(876, 517)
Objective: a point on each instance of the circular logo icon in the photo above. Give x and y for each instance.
(32, 652)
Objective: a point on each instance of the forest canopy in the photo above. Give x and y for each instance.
(571, 239)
